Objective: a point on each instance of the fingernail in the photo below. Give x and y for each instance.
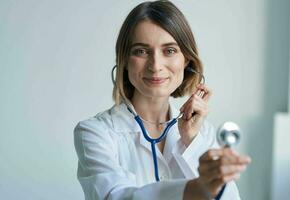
(243, 168)
(201, 93)
(198, 92)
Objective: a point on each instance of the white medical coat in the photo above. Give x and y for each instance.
(115, 160)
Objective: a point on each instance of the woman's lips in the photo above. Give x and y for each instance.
(155, 80)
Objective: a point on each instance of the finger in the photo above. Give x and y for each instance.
(203, 87)
(219, 173)
(219, 167)
(196, 106)
(206, 91)
(191, 108)
(229, 156)
(202, 91)
(186, 107)
(212, 154)
(198, 92)
(212, 165)
(227, 178)
(207, 175)
(212, 169)
(186, 103)
(223, 165)
(206, 96)
(234, 158)
(242, 160)
(228, 170)
(195, 110)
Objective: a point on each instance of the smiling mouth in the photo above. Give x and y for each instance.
(155, 80)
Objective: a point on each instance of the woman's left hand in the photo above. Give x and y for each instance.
(194, 110)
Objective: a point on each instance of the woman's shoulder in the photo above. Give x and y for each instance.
(102, 120)
(93, 131)
(109, 119)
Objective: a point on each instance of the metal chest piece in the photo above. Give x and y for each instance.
(229, 134)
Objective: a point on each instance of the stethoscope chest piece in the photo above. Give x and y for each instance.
(229, 134)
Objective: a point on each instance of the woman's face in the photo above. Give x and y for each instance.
(156, 63)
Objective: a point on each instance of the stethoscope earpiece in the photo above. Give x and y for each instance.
(190, 69)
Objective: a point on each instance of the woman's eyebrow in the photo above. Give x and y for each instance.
(170, 44)
(147, 45)
(139, 44)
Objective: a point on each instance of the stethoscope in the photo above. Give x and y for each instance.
(228, 135)
(169, 124)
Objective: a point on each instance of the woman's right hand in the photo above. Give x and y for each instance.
(219, 166)
(216, 168)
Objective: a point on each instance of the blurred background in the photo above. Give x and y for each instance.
(55, 62)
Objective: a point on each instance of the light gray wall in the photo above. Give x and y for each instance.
(55, 62)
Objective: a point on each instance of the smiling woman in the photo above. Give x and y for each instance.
(169, 20)
(157, 58)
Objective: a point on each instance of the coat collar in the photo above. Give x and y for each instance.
(123, 120)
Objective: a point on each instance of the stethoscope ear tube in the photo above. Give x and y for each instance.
(112, 75)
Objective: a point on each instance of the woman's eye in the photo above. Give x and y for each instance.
(140, 52)
(170, 51)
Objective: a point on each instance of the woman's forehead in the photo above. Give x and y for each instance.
(147, 32)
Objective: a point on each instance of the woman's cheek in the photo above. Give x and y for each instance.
(177, 67)
(135, 62)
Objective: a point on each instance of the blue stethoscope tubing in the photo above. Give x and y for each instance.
(153, 141)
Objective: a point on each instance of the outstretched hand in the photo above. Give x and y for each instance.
(219, 166)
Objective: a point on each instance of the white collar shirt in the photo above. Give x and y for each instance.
(115, 160)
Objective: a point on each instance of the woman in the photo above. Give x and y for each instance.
(156, 58)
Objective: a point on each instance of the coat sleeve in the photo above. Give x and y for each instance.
(188, 158)
(102, 177)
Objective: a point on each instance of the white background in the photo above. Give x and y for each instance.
(55, 63)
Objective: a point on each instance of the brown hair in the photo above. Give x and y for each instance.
(170, 18)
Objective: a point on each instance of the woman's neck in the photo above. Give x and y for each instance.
(151, 109)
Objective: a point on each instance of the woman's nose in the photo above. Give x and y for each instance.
(155, 62)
